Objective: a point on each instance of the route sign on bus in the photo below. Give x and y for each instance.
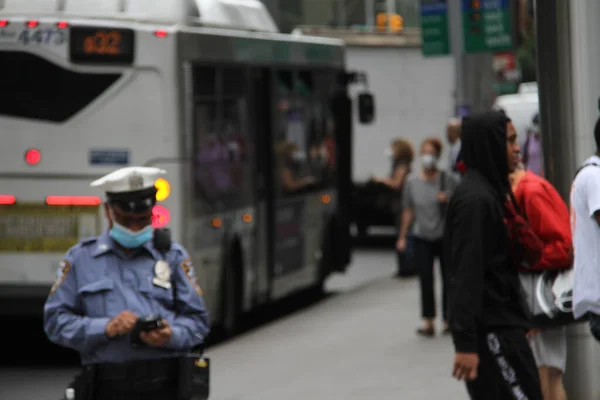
(102, 45)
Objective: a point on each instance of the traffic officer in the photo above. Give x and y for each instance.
(105, 284)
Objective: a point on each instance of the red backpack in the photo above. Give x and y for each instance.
(525, 246)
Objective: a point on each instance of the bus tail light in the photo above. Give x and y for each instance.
(32, 23)
(217, 222)
(33, 156)
(160, 34)
(6, 199)
(163, 189)
(161, 216)
(325, 199)
(62, 25)
(3, 23)
(73, 201)
(247, 218)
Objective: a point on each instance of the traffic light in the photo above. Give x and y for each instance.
(475, 17)
(396, 23)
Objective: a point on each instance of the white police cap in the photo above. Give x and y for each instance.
(131, 188)
(129, 179)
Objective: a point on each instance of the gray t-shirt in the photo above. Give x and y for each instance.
(421, 197)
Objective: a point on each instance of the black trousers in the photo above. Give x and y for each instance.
(405, 260)
(405, 265)
(507, 369)
(425, 253)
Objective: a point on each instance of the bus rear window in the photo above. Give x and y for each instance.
(34, 88)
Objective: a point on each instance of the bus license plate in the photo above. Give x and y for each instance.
(38, 228)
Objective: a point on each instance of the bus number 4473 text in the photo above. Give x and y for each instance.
(50, 36)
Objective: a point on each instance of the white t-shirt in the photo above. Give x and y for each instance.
(585, 201)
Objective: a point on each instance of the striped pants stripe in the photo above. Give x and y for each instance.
(507, 369)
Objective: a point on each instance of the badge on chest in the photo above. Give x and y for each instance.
(162, 274)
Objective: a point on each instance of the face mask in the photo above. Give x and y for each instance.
(128, 238)
(428, 161)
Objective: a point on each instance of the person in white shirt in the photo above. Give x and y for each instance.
(585, 226)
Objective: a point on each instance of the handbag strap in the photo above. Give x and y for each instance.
(583, 166)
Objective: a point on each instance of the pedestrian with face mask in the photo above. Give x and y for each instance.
(108, 286)
(425, 197)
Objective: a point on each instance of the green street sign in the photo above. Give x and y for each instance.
(435, 40)
(487, 25)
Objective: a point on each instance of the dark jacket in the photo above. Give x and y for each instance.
(484, 288)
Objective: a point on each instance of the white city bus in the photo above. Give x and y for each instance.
(252, 126)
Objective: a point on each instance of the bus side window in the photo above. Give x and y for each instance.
(222, 152)
(205, 146)
(205, 82)
(304, 131)
(290, 147)
(234, 132)
(323, 135)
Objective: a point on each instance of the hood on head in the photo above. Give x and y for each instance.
(483, 138)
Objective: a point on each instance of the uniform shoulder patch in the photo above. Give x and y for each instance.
(190, 273)
(61, 274)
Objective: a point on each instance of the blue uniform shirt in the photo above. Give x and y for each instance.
(96, 281)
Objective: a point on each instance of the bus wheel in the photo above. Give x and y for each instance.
(232, 290)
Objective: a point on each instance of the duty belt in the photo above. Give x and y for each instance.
(138, 376)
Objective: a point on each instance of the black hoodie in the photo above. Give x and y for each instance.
(484, 289)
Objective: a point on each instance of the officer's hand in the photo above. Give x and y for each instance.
(465, 366)
(158, 337)
(120, 325)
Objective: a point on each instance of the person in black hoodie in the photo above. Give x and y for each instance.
(487, 314)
